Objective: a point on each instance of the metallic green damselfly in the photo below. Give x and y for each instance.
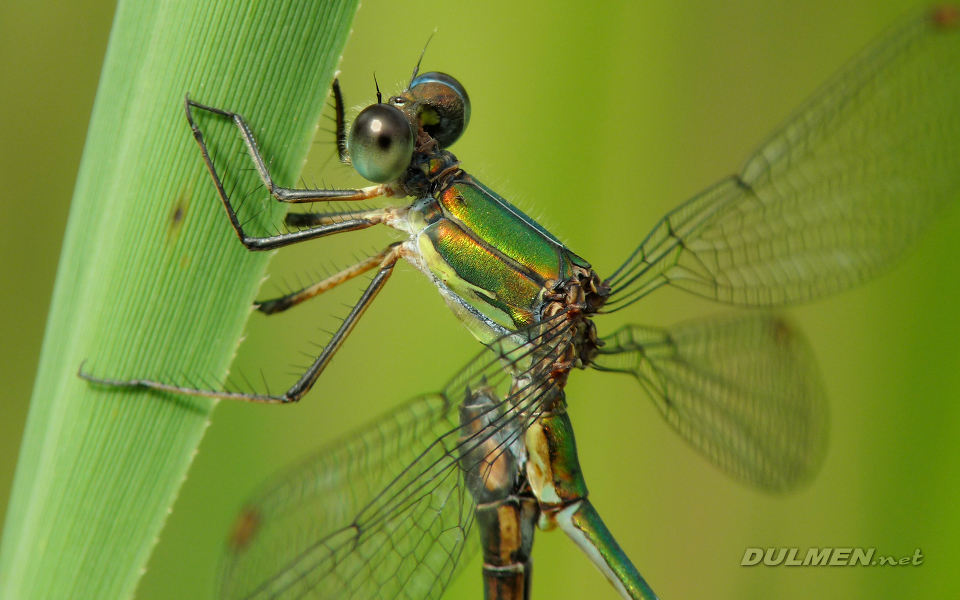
(830, 200)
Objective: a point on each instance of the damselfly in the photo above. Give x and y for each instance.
(830, 200)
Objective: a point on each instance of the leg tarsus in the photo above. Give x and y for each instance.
(159, 386)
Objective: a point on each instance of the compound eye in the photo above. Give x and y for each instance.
(445, 106)
(380, 143)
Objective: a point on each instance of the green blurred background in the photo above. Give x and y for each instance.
(596, 121)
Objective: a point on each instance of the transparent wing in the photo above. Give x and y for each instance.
(835, 196)
(742, 390)
(386, 514)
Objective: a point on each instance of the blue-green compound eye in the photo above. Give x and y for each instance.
(444, 106)
(381, 143)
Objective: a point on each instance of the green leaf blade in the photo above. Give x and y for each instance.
(152, 280)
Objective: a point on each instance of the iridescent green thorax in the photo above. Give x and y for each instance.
(491, 255)
(502, 226)
(481, 277)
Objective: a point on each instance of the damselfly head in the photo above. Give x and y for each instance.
(383, 136)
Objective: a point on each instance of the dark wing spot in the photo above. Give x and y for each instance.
(946, 16)
(244, 529)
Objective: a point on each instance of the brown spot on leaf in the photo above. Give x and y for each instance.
(178, 213)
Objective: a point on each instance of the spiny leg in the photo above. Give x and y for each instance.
(177, 389)
(282, 303)
(306, 381)
(339, 123)
(304, 220)
(280, 193)
(303, 385)
(341, 129)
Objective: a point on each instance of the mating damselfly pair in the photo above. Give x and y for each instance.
(830, 200)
